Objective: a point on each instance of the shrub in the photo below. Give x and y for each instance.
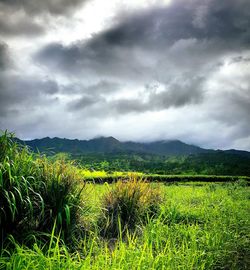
(128, 204)
(35, 193)
(241, 182)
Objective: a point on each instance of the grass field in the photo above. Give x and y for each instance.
(50, 218)
(102, 177)
(199, 227)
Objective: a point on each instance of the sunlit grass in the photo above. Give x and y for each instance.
(198, 228)
(103, 176)
(127, 205)
(92, 175)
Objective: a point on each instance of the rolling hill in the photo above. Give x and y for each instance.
(162, 157)
(111, 145)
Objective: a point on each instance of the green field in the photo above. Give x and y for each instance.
(102, 177)
(51, 218)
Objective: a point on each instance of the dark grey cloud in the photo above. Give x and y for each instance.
(93, 94)
(239, 59)
(222, 20)
(84, 102)
(236, 104)
(32, 17)
(19, 94)
(130, 48)
(34, 7)
(4, 58)
(83, 59)
(14, 26)
(101, 87)
(175, 95)
(22, 94)
(225, 21)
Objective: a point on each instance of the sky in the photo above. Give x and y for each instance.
(132, 69)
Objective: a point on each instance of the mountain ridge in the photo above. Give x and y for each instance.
(112, 145)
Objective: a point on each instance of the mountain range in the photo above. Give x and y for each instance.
(110, 145)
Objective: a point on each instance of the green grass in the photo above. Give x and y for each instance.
(102, 177)
(199, 227)
(128, 205)
(36, 193)
(197, 224)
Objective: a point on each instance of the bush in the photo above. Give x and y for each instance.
(128, 204)
(35, 193)
(241, 182)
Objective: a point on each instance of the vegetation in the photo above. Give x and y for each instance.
(102, 177)
(216, 163)
(129, 224)
(128, 205)
(162, 157)
(35, 193)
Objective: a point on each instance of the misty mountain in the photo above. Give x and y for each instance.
(110, 145)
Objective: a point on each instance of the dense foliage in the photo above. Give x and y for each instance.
(35, 194)
(217, 163)
(162, 157)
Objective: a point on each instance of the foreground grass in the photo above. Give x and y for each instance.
(36, 194)
(199, 227)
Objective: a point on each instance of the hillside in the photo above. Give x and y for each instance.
(161, 157)
(111, 145)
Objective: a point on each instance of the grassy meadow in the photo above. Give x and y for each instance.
(51, 217)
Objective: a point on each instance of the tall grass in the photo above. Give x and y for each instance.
(128, 204)
(35, 193)
(198, 228)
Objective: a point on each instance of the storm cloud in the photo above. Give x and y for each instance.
(215, 26)
(34, 7)
(19, 94)
(32, 17)
(4, 59)
(20, 26)
(181, 69)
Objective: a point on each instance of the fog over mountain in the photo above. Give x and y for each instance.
(110, 145)
(135, 70)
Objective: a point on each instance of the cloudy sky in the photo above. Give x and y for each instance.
(136, 70)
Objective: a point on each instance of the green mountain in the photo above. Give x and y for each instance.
(161, 157)
(112, 145)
